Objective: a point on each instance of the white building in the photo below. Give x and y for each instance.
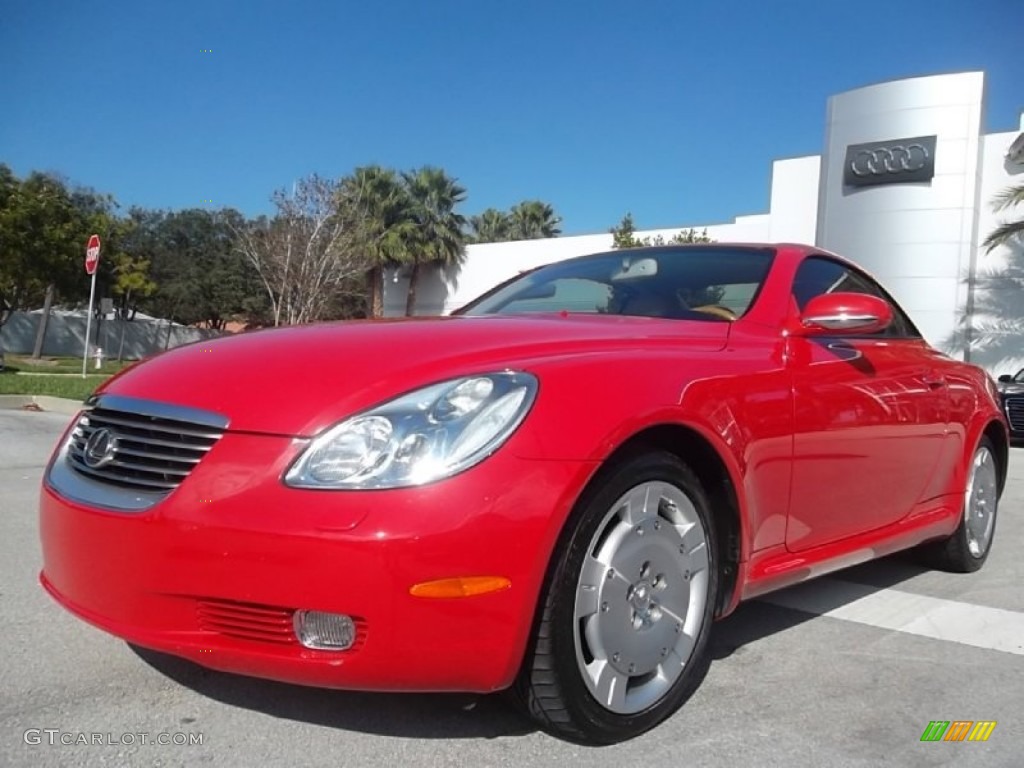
(904, 187)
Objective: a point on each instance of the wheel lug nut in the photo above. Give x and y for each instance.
(639, 530)
(610, 574)
(632, 668)
(664, 652)
(616, 657)
(657, 525)
(604, 607)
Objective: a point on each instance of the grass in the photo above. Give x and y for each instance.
(71, 387)
(62, 365)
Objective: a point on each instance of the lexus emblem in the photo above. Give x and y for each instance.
(890, 162)
(100, 448)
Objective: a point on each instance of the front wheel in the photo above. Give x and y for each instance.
(622, 638)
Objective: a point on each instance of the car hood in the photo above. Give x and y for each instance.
(1011, 388)
(298, 380)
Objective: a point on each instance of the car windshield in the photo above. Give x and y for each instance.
(715, 284)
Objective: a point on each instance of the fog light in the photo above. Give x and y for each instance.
(325, 631)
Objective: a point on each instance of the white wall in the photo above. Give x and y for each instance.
(997, 338)
(918, 238)
(488, 264)
(794, 195)
(794, 202)
(65, 335)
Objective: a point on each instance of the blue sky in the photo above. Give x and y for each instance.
(670, 109)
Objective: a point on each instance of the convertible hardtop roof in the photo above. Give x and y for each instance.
(784, 251)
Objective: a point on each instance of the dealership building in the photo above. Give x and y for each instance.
(903, 186)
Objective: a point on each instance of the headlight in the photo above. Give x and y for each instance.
(426, 435)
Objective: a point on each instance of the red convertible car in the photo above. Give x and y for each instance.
(556, 490)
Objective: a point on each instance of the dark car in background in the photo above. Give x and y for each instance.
(1011, 389)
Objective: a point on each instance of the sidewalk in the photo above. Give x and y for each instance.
(40, 403)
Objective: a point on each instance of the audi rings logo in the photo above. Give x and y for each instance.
(872, 162)
(890, 162)
(100, 448)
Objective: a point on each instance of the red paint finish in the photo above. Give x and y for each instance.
(838, 447)
(865, 410)
(143, 576)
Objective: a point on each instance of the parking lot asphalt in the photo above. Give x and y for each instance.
(845, 671)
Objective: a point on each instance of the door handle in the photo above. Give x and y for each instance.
(933, 380)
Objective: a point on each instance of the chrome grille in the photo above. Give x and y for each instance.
(147, 448)
(1015, 412)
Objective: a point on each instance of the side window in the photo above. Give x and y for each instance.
(820, 275)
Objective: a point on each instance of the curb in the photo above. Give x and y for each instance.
(40, 403)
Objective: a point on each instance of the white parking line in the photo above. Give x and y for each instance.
(994, 629)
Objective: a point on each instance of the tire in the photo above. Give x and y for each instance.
(621, 640)
(967, 549)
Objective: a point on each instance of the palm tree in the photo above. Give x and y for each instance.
(1009, 230)
(534, 219)
(440, 238)
(491, 226)
(379, 204)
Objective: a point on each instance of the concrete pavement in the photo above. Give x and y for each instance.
(788, 687)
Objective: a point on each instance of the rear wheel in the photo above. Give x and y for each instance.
(967, 549)
(622, 639)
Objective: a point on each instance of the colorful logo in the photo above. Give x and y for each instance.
(958, 730)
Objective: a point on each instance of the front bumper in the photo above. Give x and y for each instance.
(215, 571)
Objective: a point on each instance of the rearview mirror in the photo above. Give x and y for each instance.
(633, 269)
(1005, 378)
(840, 313)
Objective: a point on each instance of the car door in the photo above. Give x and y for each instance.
(870, 418)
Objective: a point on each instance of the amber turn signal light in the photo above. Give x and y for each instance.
(464, 586)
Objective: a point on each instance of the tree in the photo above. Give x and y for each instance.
(528, 220)
(1010, 230)
(377, 202)
(131, 268)
(307, 255)
(136, 274)
(624, 236)
(201, 277)
(439, 237)
(44, 227)
(131, 283)
(9, 287)
(491, 226)
(533, 220)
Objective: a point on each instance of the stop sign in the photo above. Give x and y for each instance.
(92, 255)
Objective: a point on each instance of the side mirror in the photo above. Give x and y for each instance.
(1005, 378)
(839, 313)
